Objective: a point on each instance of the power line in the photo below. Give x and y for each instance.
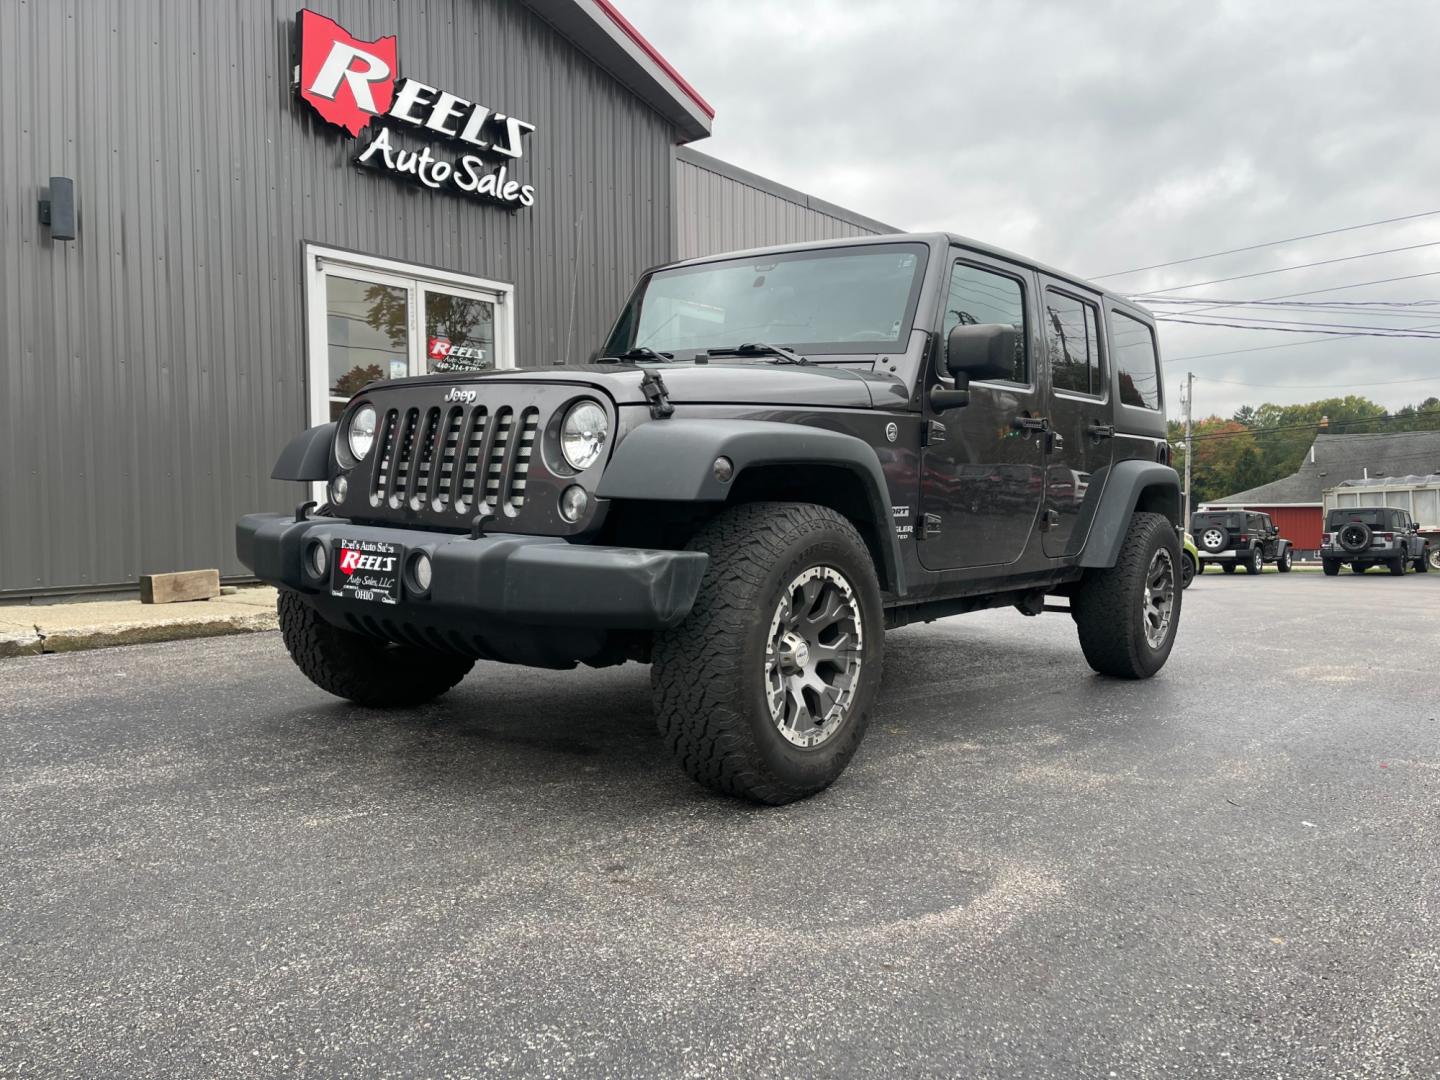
(1318, 430)
(1372, 331)
(1155, 293)
(1275, 323)
(1280, 345)
(1319, 386)
(1268, 243)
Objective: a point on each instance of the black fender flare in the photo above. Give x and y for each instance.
(673, 461)
(308, 456)
(1129, 481)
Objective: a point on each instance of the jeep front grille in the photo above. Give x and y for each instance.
(443, 460)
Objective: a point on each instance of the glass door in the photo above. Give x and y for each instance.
(372, 318)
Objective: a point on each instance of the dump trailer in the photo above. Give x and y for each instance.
(1418, 494)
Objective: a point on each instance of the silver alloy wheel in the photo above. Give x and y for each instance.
(1159, 598)
(813, 656)
(1212, 539)
(1434, 557)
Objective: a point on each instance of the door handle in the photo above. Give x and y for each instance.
(1101, 431)
(1030, 423)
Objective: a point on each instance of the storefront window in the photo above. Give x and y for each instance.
(367, 327)
(459, 333)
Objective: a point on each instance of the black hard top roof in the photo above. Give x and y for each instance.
(934, 240)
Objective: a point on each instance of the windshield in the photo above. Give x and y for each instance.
(1365, 517)
(841, 300)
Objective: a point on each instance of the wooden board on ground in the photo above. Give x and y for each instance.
(184, 585)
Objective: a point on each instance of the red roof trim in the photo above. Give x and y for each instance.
(649, 50)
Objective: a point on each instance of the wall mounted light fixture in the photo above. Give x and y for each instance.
(58, 211)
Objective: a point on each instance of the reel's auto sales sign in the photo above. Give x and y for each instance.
(350, 83)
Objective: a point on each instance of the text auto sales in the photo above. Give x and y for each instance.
(446, 114)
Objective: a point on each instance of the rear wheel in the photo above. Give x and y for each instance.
(1255, 561)
(1127, 614)
(1331, 567)
(764, 690)
(363, 669)
(1397, 566)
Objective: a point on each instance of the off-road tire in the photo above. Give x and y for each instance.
(1397, 566)
(708, 673)
(1330, 566)
(1433, 557)
(1286, 562)
(1188, 569)
(1254, 561)
(1422, 564)
(363, 669)
(1109, 604)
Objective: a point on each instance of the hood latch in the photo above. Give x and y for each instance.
(653, 387)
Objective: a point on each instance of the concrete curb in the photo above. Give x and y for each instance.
(36, 630)
(79, 638)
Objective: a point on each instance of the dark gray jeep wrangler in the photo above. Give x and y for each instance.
(776, 456)
(1366, 536)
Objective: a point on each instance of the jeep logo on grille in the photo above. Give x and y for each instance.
(456, 394)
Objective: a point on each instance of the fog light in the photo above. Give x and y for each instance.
(724, 469)
(420, 570)
(573, 501)
(319, 559)
(338, 487)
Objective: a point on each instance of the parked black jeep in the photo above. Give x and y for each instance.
(777, 456)
(1366, 536)
(1240, 538)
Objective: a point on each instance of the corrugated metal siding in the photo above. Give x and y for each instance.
(715, 212)
(152, 369)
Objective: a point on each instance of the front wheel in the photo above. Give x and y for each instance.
(1127, 614)
(1422, 564)
(764, 690)
(363, 669)
(1285, 562)
(1188, 570)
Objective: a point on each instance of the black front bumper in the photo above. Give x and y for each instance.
(490, 585)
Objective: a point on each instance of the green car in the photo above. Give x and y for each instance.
(1191, 565)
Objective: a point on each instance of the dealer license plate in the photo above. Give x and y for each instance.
(367, 570)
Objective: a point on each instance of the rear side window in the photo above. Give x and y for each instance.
(981, 297)
(1073, 328)
(1224, 521)
(1137, 361)
(1337, 518)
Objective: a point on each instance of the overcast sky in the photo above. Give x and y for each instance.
(1104, 136)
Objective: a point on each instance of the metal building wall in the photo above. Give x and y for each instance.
(720, 207)
(151, 370)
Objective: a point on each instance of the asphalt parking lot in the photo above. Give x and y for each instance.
(212, 869)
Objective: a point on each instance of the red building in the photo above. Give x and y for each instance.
(1295, 502)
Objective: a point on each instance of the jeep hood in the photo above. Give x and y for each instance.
(718, 382)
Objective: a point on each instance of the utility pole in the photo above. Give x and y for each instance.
(1189, 399)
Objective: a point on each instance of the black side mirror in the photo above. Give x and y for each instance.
(981, 351)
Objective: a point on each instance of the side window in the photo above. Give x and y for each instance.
(979, 296)
(1073, 329)
(1137, 362)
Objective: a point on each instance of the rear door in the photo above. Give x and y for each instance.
(1080, 418)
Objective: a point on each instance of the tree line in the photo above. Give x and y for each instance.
(1259, 444)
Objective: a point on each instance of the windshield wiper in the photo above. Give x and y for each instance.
(640, 352)
(782, 354)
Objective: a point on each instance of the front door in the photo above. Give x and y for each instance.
(1080, 415)
(983, 466)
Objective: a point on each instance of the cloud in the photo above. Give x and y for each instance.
(1105, 136)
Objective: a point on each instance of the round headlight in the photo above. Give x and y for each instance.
(361, 433)
(583, 435)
